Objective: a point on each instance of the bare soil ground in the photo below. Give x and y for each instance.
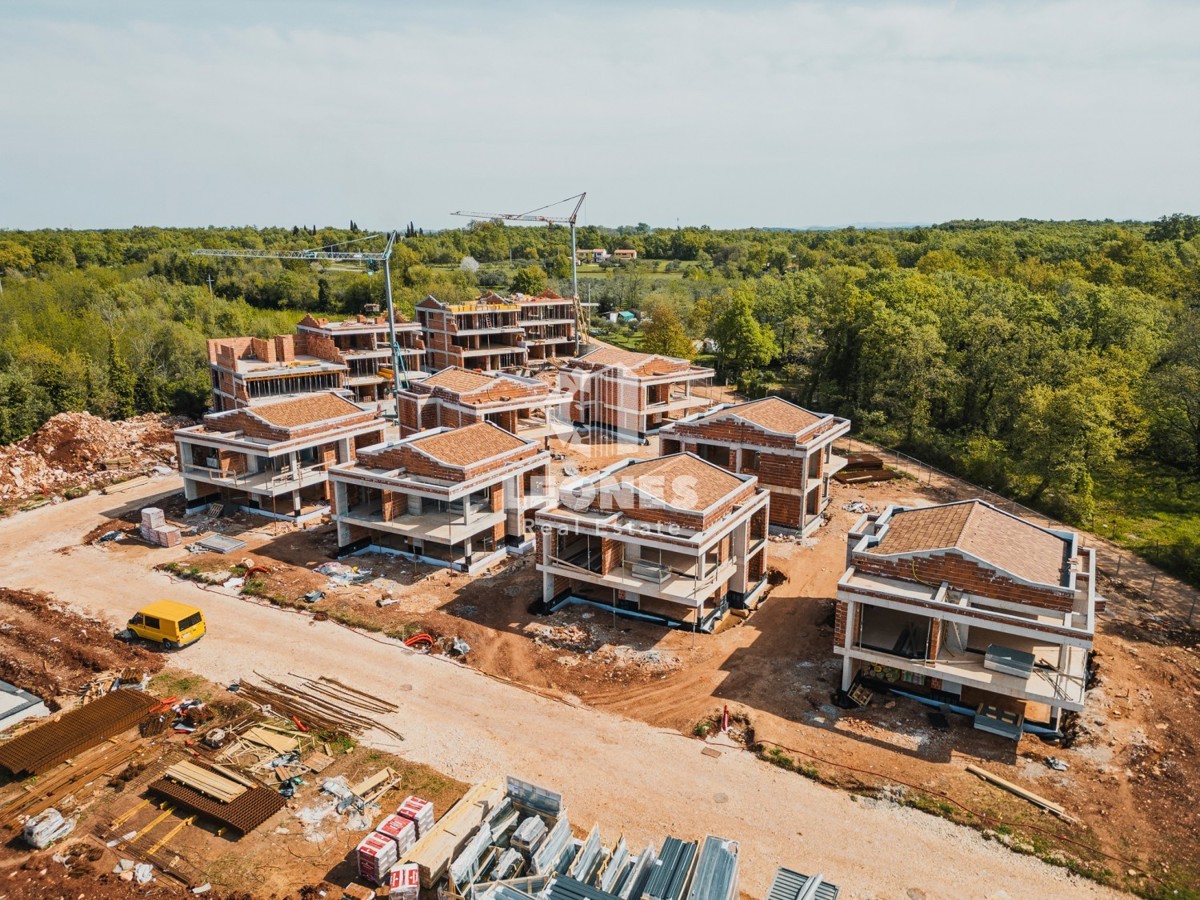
(53, 652)
(1133, 773)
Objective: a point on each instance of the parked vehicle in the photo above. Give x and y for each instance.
(171, 624)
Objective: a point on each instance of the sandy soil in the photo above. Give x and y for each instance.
(630, 776)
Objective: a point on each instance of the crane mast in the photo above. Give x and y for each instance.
(366, 257)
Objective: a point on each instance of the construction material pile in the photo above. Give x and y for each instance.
(325, 705)
(861, 468)
(155, 529)
(77, 449)
(379, 852)
(45, 746)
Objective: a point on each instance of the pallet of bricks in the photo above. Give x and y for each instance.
(380, 852)
(155, 529)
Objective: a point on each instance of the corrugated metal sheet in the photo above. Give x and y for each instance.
(551, 850)
(587, 857)
(790, 885)
(635, 883)
(618, 862)
(564, 887)
(672, 872)
(716, 875)
(534, 797)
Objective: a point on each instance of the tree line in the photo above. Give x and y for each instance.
(1030, 356)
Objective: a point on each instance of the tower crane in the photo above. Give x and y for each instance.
(359, 257)
(537, 215)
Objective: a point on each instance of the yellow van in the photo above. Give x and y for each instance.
(171, 624)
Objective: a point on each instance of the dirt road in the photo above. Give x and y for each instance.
(624, 774)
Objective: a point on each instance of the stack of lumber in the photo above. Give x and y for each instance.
(325, 705)
(449, 836)
(863, 467)
(210, 783)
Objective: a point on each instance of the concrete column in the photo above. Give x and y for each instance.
(414, 505)
(341, 499)
(851, 627)
(467, 513)
(343, 451)
(296, 503)
(739, 547)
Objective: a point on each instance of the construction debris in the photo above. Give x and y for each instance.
(861, 468)
(322, 705)
(1035, 799)
(77, 449)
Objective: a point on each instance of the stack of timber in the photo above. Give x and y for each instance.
(325, 705)
(42, 748)
(861, 468)
(211, 783)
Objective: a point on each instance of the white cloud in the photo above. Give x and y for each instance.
(775, 114)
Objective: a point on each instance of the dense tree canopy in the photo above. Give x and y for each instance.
(1030, 355)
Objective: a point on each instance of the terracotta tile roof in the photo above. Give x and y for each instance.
(468, 445)
(771, 413)
(682, 481)
(458, 379)
(643, 364)
(307, 410)
(979, 529)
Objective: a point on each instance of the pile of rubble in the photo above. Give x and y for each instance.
(77, 449)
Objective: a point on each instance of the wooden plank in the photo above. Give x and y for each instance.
(211, 784)
(1035, 799)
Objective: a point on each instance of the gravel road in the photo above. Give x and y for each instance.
(626, 775)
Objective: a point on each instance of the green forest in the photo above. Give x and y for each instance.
(1056, 362)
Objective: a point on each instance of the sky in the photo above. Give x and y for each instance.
(768, 114)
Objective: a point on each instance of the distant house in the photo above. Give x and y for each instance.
(597, 255)
(623, 255)
(627, 316)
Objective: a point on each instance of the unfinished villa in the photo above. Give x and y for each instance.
(247, 370)
(454, 397)
(789, 448)
(483, 334)
(549, 323)
(674, 540)
(272, 458)
(632, 394)
(965, 604)
(454, 497)
(363, 346)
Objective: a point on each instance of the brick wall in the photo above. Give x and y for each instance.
(964, 575)
(839, 623)
(785, 510)
(612, 553)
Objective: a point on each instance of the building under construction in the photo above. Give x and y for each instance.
(362, 345)
(484, 334)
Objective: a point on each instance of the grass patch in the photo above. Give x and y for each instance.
(1148, 509)
(405, 631)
